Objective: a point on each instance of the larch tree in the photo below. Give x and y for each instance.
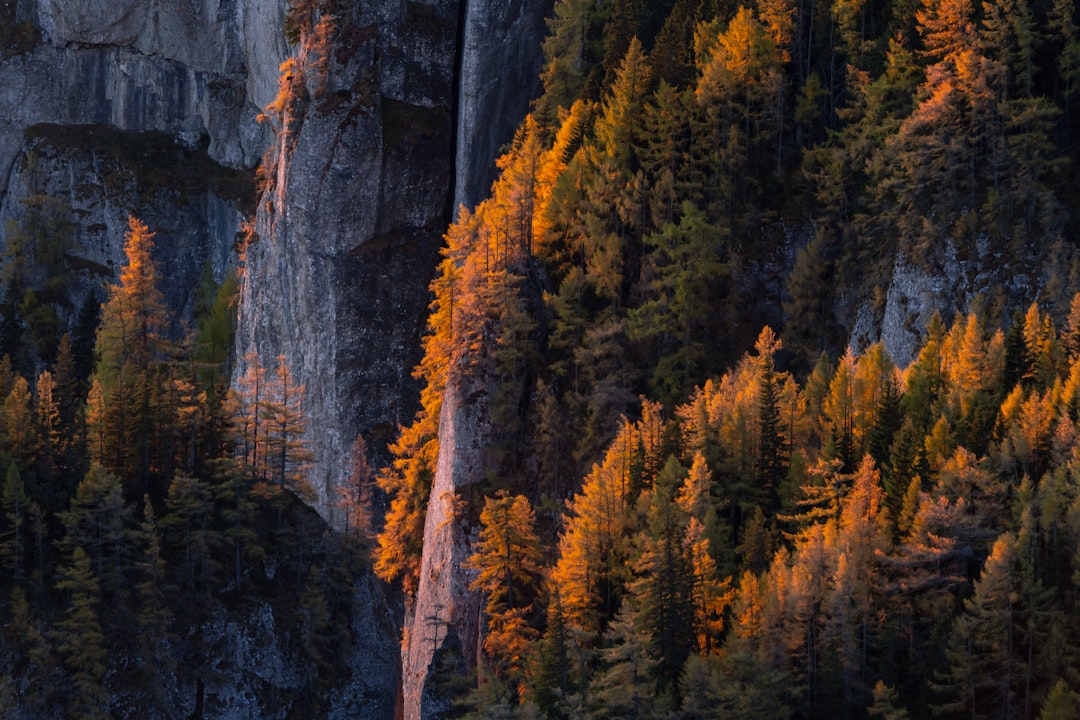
(593, 548)
(507, 563)
(131, 350)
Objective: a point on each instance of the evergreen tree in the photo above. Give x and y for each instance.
(626, 688)
(981, 676)
(97, 523)
(80, 641)
(663, 597)
(14, 537)
(154, 617)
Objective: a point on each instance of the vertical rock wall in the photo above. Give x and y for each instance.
(348, 241)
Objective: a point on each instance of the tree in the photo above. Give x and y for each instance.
(1061, 704)
(355, 498)
(154, 616)
(625, 689)
(663, 591)
(97, 523)
(593, 547)
(284, 424)
(507, 561)
(80, 640)
(133, 318)
(884, 705)
(189, 525)
(19, 438)
(680, 317)
(13, 538)
(131, 350)
(981, 674)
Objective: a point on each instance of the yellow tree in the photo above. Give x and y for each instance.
(133, 318)
(593, 548)
(507, 563)
(840, 411)
(131, 351)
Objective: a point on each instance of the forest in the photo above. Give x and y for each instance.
(144, 496)
(675, 525)
(701, 499)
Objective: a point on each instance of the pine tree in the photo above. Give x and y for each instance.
(14, 537)
(663, 592)
(626, 688)
(981, 676)
(679, 319)
(154, 617)
(80, 641)
(97, 523)
(189, 525)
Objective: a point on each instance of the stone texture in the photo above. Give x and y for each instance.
(501, 36)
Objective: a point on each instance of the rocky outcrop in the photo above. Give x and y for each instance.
(446, 614)
(500, 64)
(136, 107)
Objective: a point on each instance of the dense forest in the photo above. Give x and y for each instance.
(701, 499)
(673, 525)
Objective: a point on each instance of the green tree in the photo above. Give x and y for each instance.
(97, 523)
(14, 536)
(1061, 704)
(80, 640)
(981, 676)
(663, 592)
(680, 319)
(626, 686)
(154, 616)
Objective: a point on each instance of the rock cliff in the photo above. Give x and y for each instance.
(150, 108)
(374, 151)
(134, 107)
(405, 121)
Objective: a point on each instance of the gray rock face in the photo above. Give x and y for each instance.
(500, 68)
(106, 80)
(75, 173)
(913, 297)
(349, 237)
(252, 673)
